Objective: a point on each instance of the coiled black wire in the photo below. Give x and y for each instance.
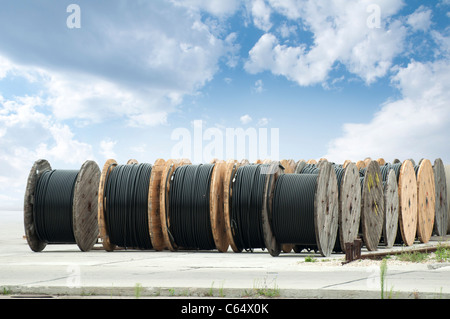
(126, 205)
(293, 209)
(246, 206)
(190, 222)
(52, 209)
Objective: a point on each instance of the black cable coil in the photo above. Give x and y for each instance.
(246, 206)
(189, 213)
(126, 205)
(52, 209)
(293, 209)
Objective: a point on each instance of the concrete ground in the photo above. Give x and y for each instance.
(64, 271)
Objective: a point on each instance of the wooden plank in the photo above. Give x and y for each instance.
(441, 210)
(372, 206)
(447, 179)
(289, 168)
(85, 206)
(426, 197)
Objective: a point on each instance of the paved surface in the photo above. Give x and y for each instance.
(63, 270)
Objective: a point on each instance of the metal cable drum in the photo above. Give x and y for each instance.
(125, 205)
(441, 213)
(305, 209)
(349, 198)
(60, 206)
(189, 207)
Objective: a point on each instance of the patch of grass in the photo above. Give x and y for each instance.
(137, 290)
(6, 291)
(263, 290)
(442, 254)
(310, 259)
(415, 257)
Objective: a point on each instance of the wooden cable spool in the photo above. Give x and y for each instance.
(217, 206)
(391, 210)
(447, 178)
(84, 207)
(372, 206)
(441, 210)
(231, 167)
(426, 200)
(407, 193)
(349, 205)
(169, 168)
(289, 168)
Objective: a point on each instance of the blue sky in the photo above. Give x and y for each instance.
(337, 79)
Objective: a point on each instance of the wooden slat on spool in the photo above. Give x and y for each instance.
(372, 206)
(272, 172)
(311, 161)
(36, 171)
(326, 209)
(426, 197)
(381, 161)
(349, 205)
(169, 168)
(441, 210)
(85, 210)
(407, 193)
(107, 167)
(391, 209)
(360, 164)
(299, 166)
(230, 170)
(216, 201)
(346, 163)
(154, 220)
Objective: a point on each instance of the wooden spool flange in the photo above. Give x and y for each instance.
(289, 168)
(407, 193)
(426, 200)
(84, 208)
(231, 167)
(447, 178)
(391, 209)
(326, 209)
(167, 173)
(441, 216)
(36, 171)
(349, 205)
(216, 207)
(107, 168)
(273, 171)
(154, 211)
(372, 206)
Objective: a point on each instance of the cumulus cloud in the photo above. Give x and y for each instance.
(420, 20)
(140, 59)
(415, 126)
(341, 35)
(245, 119)
(261, 14)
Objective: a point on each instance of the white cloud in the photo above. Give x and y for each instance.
(414, 126)
(259, 86)
(420, 20)
(107, 148)
(340, 35)
(261, 14)
(245, 119)
(216, 7)
(263, 121)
